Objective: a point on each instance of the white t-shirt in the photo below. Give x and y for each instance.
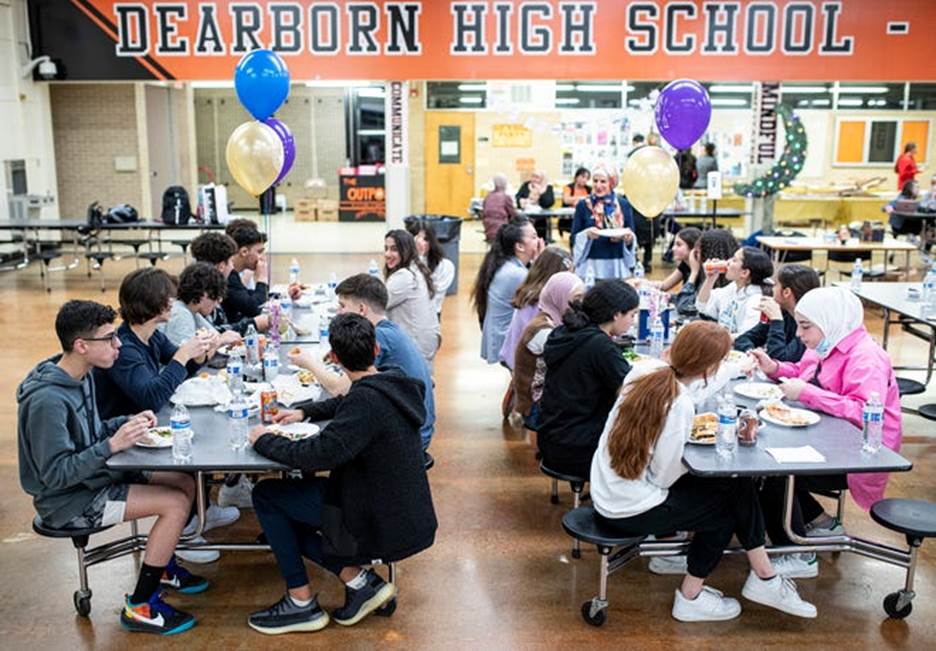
(735, 309)
(442, 279)
(615, 497)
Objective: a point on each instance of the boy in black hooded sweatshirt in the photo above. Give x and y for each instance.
(375, 506)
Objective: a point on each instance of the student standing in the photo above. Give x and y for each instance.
(410, 293)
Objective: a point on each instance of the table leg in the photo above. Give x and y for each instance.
(887, 330)
(788, 496)
(932, 351)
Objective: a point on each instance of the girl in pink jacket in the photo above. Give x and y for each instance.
(840, 370)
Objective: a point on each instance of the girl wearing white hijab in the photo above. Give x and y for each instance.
(840, 370)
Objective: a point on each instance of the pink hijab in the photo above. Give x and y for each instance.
(554, 297)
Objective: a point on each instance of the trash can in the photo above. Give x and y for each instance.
(448, 230)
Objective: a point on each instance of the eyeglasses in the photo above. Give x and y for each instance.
(111, 338)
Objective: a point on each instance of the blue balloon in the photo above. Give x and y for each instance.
(261, 80)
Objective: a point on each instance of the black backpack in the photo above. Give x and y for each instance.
(95, 215)
(122, 214)
(176, 208)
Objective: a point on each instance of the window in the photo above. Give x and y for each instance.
(640, 90)
(870, 96)
(589, 94)
(806, 95)
(727, 95)
(869, 142)
(456, 94)
(365, 116)
(922, 97)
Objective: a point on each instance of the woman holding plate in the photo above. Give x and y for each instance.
(603, 231)
(842, 368)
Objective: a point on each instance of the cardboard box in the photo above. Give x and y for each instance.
(305, 211)
(327, 210)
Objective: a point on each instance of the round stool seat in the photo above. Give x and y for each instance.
(99, 256)
(572, 479)
(582, 524)
(40, 528)
(911, 517)
(48, 256)
(927, 411)
(908, 387)
(152, 257)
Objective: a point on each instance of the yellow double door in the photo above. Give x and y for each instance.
(450, 162)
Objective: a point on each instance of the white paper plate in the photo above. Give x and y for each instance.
(295, 431)
(228, 349)
(759, 390)
(692, 441)
(613, 232)
(810, 417)
(154, 440)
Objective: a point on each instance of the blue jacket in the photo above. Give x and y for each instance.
(143, 377)
(602, 248)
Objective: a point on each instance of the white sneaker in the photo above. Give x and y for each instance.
(780, 593)
(198, 555)
(668, 565)
(237, 495)
(215, 516)
(832, 527)
(709, 606)
(796, 566)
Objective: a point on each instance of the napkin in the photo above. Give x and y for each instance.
(202, 392)
(802, 454)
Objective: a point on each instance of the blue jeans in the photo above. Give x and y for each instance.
(290, 512)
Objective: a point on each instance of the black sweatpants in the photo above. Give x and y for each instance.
(805, 507)
(715, 509)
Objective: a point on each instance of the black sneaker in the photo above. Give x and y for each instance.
(286, 617)
(155, 616)
(180, 579)
(361, 603)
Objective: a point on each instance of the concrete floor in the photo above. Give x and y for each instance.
(499, 575)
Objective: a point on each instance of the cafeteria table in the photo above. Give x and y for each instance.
(780, 246)
(892, 299)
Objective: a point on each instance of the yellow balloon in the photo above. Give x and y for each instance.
(254, 156)
(650, 180)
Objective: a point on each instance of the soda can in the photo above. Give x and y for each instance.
(268, 407)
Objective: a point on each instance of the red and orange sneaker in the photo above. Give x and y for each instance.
(155, 616)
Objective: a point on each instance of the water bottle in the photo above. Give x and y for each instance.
(323, 328)
(286, 307)
(332, 284)
(726, 442)
(252, 344)
(235, 373)
(180, 424)
(639, 271)
(857, 273)
(237, 423)
(294, 270)
(929, 290)
(873, 424)
(657, 334)
(589, 277)
(373, 269)
(270, 363)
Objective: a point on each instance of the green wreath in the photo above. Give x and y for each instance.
(787, 166)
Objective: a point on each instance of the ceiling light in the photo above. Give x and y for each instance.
(729, 101)
(369, 91)
(804, 90)
(565, 88)
(566, 100)
(212, 84)
(723, 88)
(866, 90)
(472, 87)
(598, 88)
(470, 100)
(850, 102)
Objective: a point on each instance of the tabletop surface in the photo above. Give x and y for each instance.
(835, 438)
(813, 243)
(721, 212)
(72, 224)
(893, 296)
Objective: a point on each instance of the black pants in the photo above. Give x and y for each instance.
(575, 463)
(715, 509)
(805, 507)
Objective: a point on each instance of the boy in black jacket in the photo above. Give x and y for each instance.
(374, 507)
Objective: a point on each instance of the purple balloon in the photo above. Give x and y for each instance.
(682, 112)
(289, 146)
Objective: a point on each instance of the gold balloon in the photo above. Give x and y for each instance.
(650, 180)
(254, 156)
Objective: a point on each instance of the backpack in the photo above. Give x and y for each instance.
(176, 208)
(95, 215)
(122, 214)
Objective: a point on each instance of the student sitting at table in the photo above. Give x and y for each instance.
(411, 293)
(150, 367)
(375, 505)
(529, 371)
(584, 370)
(365, 295)
(606, 257)
(218, 249)
(64, 446)
(639, 485)
(525, 300)
(431, 254)
(240, 302)
(578, 189)
(840, 370)
(502, 271)
(736, 305)
(201, 288)
(778, 335)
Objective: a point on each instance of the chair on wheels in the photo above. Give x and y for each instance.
(916, 519)
(577, 484)
(615, 550)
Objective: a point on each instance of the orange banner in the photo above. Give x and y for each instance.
(808, 40)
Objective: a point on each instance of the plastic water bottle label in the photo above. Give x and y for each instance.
(238, 412)
(873, 416)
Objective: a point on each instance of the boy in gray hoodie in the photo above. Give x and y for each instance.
(63, 450)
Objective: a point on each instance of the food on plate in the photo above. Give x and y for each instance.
(164, 432)
(295, 350)
(202, 332)
(632, 355)
(292, 436)
(759, 390)
(305, 377)
(204, 375)
(704, 428)
(786, 415)
(736, 356)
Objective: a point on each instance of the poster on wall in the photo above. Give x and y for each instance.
(764, 126)
(511, 135)
(510, 39)
(361, 198)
